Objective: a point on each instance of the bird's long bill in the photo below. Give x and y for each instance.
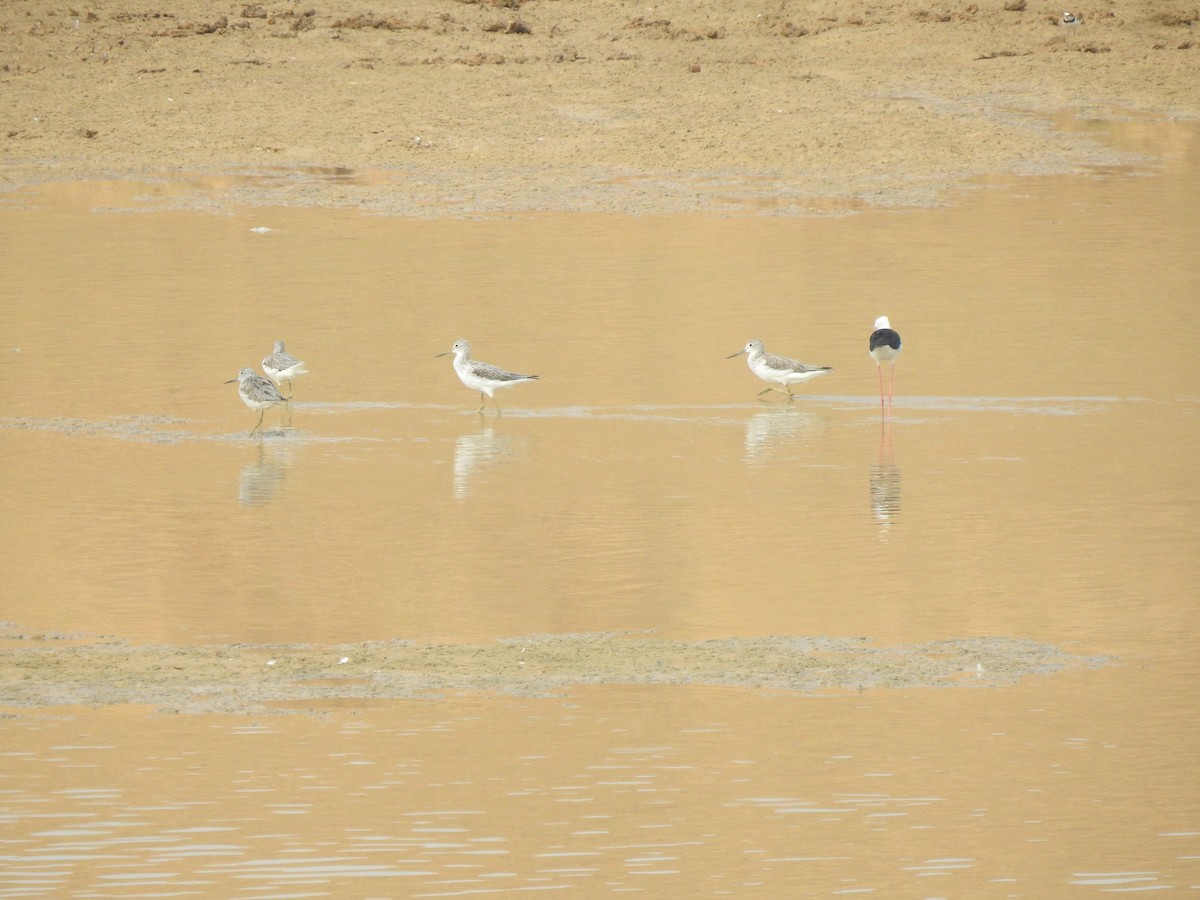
(231, 381)
(447, 353)
(739, 353)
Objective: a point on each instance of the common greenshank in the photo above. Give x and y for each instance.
(281, 366)
(771, 367)
(480, 376)
(257, 393)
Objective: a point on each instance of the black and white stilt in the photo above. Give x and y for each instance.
(885, 347)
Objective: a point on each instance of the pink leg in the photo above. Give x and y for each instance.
(880, 368)
(891, 385)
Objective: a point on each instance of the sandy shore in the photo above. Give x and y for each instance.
(465, 106)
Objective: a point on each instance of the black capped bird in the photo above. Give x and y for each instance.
(884, 348)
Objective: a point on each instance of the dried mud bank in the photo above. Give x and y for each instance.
(47, 670)
(460, 107)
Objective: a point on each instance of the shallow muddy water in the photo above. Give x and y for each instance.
(1036, 483)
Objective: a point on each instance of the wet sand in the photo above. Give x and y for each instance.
(461, 108)
(71, 670)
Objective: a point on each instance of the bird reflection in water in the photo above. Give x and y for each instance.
(777, 428)
(262, 478)
(475, 452)
(884, 483)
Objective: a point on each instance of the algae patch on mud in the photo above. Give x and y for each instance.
(47, 670)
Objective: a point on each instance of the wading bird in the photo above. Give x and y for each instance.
(775, 369)
(481, 376)
(257, 393)
(885, 347)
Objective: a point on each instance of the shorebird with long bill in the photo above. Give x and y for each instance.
(481, 376)
(257, 393)
(775, 369)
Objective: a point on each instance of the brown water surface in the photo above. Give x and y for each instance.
(1037, 483)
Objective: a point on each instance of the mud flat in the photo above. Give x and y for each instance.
(41, 670)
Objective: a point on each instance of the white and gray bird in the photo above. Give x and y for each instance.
(776, 369)
(257, 393)
(281, 366)
(481, 376)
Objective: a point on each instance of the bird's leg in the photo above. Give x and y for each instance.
(891, 386)
(289, 393)
(880, 370)
(261, 412)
